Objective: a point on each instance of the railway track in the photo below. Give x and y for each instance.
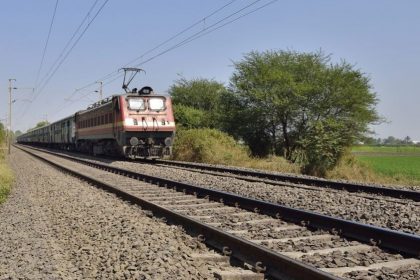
(281, 242)
(290, 180)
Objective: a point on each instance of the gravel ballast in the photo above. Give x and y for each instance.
(54, 226)
(384, 213)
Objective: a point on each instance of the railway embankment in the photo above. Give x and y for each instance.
(324, 250)
(55, 226)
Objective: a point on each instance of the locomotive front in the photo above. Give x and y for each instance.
(147, 124)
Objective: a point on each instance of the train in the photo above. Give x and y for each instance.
(139, 123)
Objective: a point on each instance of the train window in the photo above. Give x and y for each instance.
(102, 119)
(110, 117)
(106, 118)
(156, 104)
(136, 104)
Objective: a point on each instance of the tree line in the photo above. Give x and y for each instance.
(297, 105)
(390, 140)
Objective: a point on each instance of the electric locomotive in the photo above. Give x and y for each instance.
(138, 123)
(135, 124)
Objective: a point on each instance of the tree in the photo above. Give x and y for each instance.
(189, 117)
(197, 102)
(391, 140)
(41, 124)
(302, 105)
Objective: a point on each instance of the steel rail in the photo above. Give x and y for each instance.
(264, 260)
(350, 187)
(401, 242)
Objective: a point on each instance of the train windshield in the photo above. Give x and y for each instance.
(156, 104)
(136, 104)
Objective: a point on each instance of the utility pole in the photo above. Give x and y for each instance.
(10, 113)
(100, 89)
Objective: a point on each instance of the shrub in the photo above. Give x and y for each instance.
(214, 146)
(209, 146)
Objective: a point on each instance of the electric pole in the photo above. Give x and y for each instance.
(10, 113)
(100, 89)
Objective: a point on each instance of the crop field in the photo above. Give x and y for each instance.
(401, 163)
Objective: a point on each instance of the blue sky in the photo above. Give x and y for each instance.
(381, 38)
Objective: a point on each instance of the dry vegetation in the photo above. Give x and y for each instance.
(215, 147)
(6, 176)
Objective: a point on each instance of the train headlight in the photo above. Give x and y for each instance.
(168, 141)
(134, 141)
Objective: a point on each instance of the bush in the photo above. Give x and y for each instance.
(209, 146)
(214, 146)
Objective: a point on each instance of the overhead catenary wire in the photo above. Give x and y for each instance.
(73, 46)
(202, 32)
(207, 30)
(185, 41)
(46, 45)
(70, 40)
(67, 53)
(69, 99)
(109, 75)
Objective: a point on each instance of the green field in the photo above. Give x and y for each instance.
(400, 163)
(395, 150)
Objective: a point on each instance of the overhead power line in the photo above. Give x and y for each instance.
(46, 44)
(108, 76)
(48, 75)
(70, 40)
(207, 30)
(72, 47)
(211, 28)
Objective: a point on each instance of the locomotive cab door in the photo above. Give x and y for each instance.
(115, 118)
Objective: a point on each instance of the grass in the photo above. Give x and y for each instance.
(383, 165)
(6, 177)
(401, 168)
(400, 150)
(392, 165)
